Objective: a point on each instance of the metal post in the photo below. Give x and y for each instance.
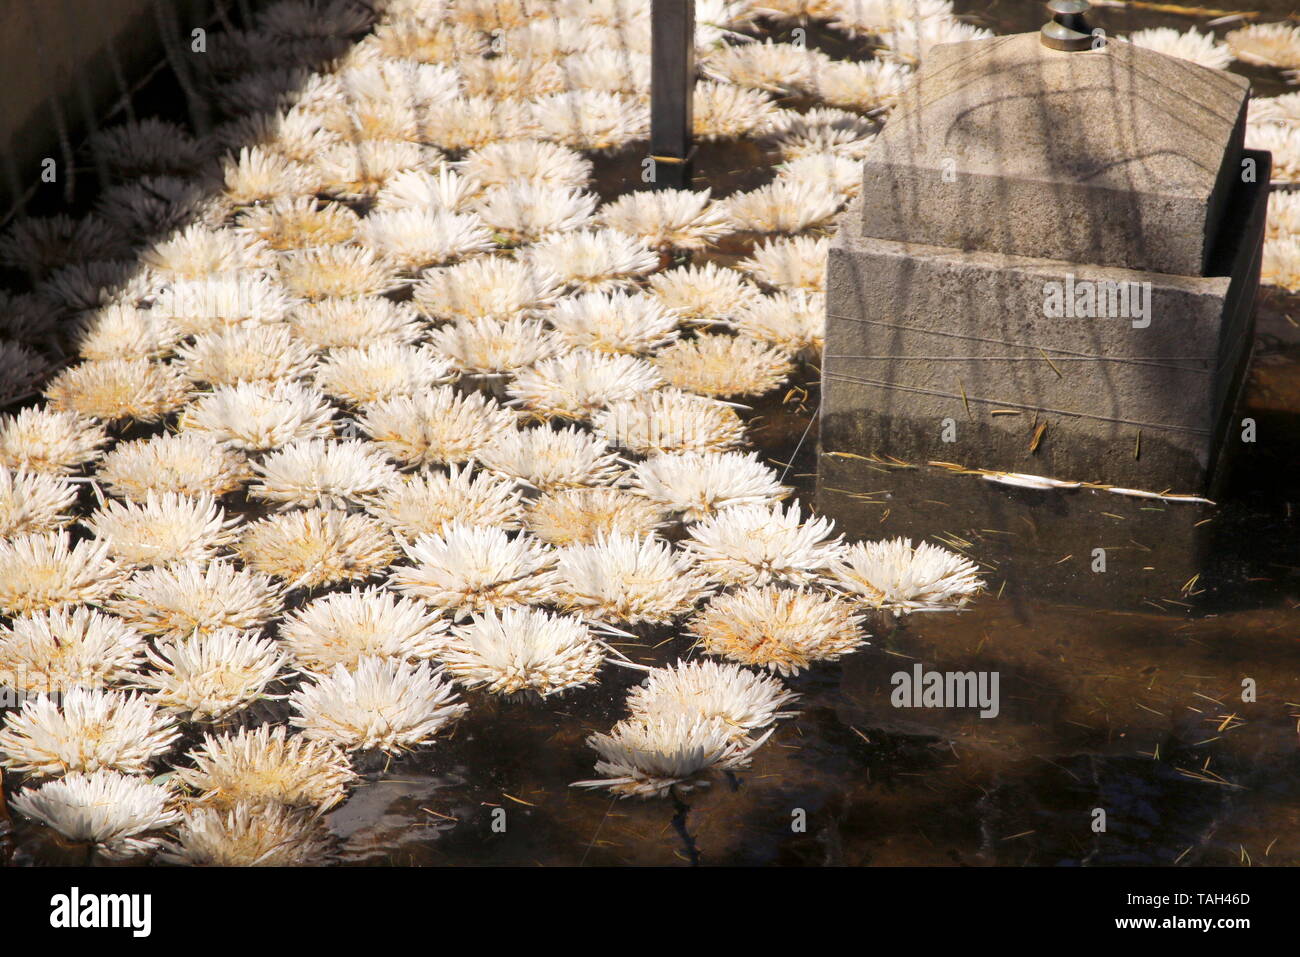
(672, 90)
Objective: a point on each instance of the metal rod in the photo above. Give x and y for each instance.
(672, 90)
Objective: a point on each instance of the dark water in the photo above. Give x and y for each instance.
(1120, 690)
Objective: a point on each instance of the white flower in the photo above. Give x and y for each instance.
(757, 544)
(183, 599)
(299, 222)
(1284, 109)
(428, 40)
(343, 323)
(893, 574)
(164, 528)
(296, 133)
(610, 70)
(548, 459)
(84, 731)
(124, 332)
(358, 169)
(266, 767)
(381, 371)
(114, 389)
(826, 172)
(55, 651)
(911, 40)
(485, 288)
(257, 415)
(782, 629)
(489, 15)
(591, 119)
(382, 704)
(1283, 142)
(466, 569)
(666, 218)
(705, 690)
(698, 484)
(594, 259)
(1274, 45)
(794, 322)
(862, 85)
(40, 571)
(794, 262)
(783, 206)
(825, 130)
(441, 427)
(669, 420)
(424, 503)
(579, 383)
(33, 502)
(578, 516)
(649, 758)
(470, 122)
(344, 627)
(205, 305)
(416, 238)
(1200, 48)
(524, 212)
(45, 440)
(247, 835)
(326, 271)
(187, 463)
(700, 293)
(419, 189)
(866, 17)
(531, 161)
(495, 347)
(198, 251)
(314, 547)
(1281, 263)
(627, 578)
(722, 365)
(1283, 214)
(726, 112)
(257, 175)
(776, 67)
(210, 676)
(523, 649)
(509, 77)
(616, 322)
(112, 810)
(244, 354)
(82, 286)
(321, 472)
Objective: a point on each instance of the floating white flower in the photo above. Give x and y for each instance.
(204, 305)
(649, 758)
(509, 77)
(41, 571)
(782, 629)
(593, 260)
(706, 690)
(549, 459)
(381, 704)
(775, 67)
(578, 516)
(325, 271)
(211, 676)
(794, 323)
(257, 416)
(198, 251)
(702, 293)
(1283, 109)
(440, 427)
(471, 122)
(1274, 45)
(184, 599)
(257, 175)
(591, 119)
(698, 484)
(783, 206)
(1283, 142)
(492, 347)
(862, 86)
(825, 130)
(33, 502)
(115, 389)
(430, 41)
(758, 544)
(321, 472)
(827, 172)
(187, 463)
(667, 218)
(423, 504)
(721, 365)
(163, 528)
(1200, 48)
(532, 161)
(85, 730)
(296, 133)
(466, 569)
(316, 547)
(892, 574)
(344, 627)
(124, 332)
(58, 650)
(615, 322)
(299, 222)
(1281, 263)
(416, 238)
(485, 288)
(355, 323)
(578, 383)
(46, 440)
(669, 420)
(523, 649)
(265, 767)
(1283, 215)
(247, 835)
(114, 811)
(611, 70)
(381, 371)
(489, 15)
(726, 112)
(418, 189)
(911, 40)
(876, 17)
(790, 262)
(358, 170)
(524, 212)
(627, 578)
(245, 354)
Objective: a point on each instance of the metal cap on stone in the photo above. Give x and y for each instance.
(1113, 155)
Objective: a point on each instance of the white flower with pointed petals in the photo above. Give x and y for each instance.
(344, 627)
(471, 122)
(381, 371)
(578, 516)
(416, 238)
(84, 731)
(1200, 48)
(313, 547)
(524, 212)
(793, 323)
(548, 459)
(669, 420)
(795, 262)
(208, 677)
(874, 17)
(531, 161)
(577, 384)
(466, 569)
(1283, 142)
(784, 205)
(187, 463)
(523, 649)
(492, 348)
(699, 484)
(827, 172)
(593, 260)
(667, 218)
(184, 599)
(266, 767)
(57, 650)
(198, 251)
(758, 544)
(892, 574)
(116, 389)
(615, 322)
(609, 70)
(417, 189)
(247, 835)
(33, 502)
(591, 119)
(441, 427)
(40, 571)
(323, 272)
(49, 441)
(355, 323)
(425, 503)
(489, 287)
(111, 810)
(865, 86)
(726, 112)
(245, 353)
(124, 332)
(205, 305)
(627, 578)
(164, 528)
(321, 472)
(257, 416)
(705, 690)
(702, 293)
(775, 67)
(912, 40)
(722, 365)
(257, 175)
(381, 704)
(1274, 45)
(299, 222)
(357, 169)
